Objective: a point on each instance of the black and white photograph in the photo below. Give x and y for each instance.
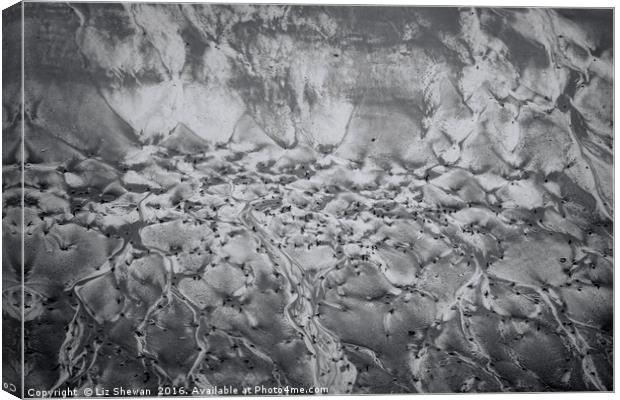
(243, 199)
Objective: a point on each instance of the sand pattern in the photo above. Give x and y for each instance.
(364, 199)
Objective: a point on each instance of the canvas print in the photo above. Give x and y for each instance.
(213, 199)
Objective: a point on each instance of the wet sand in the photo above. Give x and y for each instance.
(370, 200)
